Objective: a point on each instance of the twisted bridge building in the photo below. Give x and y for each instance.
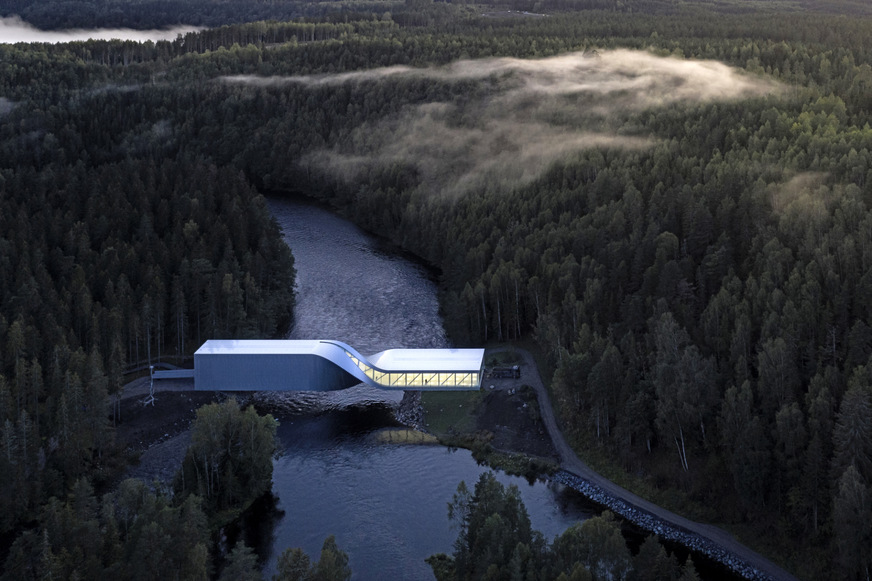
(320, 365)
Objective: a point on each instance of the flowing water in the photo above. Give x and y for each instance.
(386, 504)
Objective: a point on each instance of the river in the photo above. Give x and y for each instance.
(386, 504)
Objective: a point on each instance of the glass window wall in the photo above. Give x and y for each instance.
(418, 379)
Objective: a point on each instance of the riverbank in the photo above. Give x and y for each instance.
(708, 539)
(505, 426)
(156, 435)
(508, 424)
(142, 425)
(500, 424)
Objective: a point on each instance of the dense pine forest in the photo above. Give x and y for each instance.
(672, 199)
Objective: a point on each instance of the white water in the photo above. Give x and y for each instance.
(351, 288)
(386, 504)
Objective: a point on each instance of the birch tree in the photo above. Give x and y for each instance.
(684, 386)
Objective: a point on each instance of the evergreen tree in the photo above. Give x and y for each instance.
(852, 526)
(241, 565)
(229, 461)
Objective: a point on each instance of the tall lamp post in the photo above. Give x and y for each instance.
(150, 398)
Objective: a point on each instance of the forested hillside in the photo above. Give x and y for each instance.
(690, 243)
(108, 267)
(113, 255)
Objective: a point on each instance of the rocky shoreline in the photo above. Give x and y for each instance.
(162, 454)
(664, 530)
(409, 412)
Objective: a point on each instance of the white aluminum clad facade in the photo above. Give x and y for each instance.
(267, 366)
(236, 365)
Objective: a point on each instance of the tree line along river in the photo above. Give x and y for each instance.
(385, 503)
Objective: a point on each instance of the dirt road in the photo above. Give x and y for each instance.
(157, 419)
(571, 463)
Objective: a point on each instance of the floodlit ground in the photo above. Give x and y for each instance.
(507, 413)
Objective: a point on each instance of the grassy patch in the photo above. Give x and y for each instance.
(450, 412)
(528, 396)
(404, 436)
(530, 467)
(452, 417)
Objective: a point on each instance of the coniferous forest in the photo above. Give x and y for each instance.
(673, 200)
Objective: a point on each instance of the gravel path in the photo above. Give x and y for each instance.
(162, 460)
(140, 387)
(709, 539)
(160, 432)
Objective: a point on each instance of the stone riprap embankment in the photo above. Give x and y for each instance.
(658, 526)
(711, 540)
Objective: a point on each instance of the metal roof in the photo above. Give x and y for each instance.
(439, 360)
(257, 347)
(321, 365)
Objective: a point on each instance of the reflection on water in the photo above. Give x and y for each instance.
(386, 504)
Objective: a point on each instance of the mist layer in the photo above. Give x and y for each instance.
(14, 30)
(537, 112)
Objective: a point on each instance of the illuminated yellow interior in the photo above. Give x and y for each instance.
(417, 379)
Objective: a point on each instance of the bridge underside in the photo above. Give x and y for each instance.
(286, 365)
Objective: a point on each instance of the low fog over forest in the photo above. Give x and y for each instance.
(534, 112)
(671, 204)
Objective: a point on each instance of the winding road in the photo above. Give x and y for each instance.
(572, 464)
